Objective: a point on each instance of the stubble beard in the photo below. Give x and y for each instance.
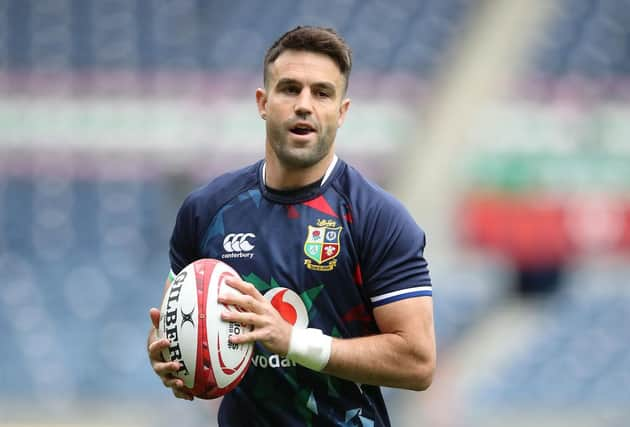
(299, 157)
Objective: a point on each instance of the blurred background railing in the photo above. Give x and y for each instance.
(503, 125)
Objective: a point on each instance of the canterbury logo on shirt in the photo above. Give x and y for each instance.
(239, 242)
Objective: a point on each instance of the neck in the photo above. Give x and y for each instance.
(281, 178)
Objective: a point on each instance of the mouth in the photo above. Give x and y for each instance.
(302, 128)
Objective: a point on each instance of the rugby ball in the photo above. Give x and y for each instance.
(190, 317)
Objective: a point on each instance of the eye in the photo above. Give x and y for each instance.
(323, 92)
(292, 90)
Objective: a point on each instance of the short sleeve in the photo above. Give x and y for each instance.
(393, 259)
(183, 247)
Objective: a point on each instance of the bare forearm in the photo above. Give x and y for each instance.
(384, 359)
(402, 355)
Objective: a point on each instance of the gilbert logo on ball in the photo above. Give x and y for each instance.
(190, 318)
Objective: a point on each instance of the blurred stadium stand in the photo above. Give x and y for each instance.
(217, 36)
(83, 256)
(104, 104)
(557, 361)
(576, 357)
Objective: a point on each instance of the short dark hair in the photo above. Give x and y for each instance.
(312, 39)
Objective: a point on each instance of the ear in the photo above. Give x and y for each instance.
(261, 102)
(343, 110)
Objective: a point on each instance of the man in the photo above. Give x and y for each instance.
(334, 278)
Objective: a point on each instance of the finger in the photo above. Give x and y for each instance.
(164, 369)
(242, 338)
(247, 337)
(244, 287)
(154, 314)
(242, 317)
(178, 388)
(156, 347)
(245, 302)
(173, 382)
(182, 394)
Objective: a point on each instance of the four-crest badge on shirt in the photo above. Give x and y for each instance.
(322, 245)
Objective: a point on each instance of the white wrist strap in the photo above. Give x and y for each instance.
(310, 348)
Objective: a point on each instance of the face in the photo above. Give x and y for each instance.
(303, 105)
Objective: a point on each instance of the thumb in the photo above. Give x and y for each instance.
(154, 313)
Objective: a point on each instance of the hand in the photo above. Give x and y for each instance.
(165, 370)
(270, 329)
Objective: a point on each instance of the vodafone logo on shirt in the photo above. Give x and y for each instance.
(292, 309)
(239, 245)
(289, 305)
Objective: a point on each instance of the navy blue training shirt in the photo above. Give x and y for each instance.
(325, 256)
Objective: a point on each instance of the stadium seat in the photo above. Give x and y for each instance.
(576, 357)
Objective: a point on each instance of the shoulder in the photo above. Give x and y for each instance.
(222, 189)
(368, 201)
(389, 242)
(200, 207)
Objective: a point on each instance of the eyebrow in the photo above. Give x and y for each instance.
(289, 81)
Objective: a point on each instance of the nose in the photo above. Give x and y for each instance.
(303, 105)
